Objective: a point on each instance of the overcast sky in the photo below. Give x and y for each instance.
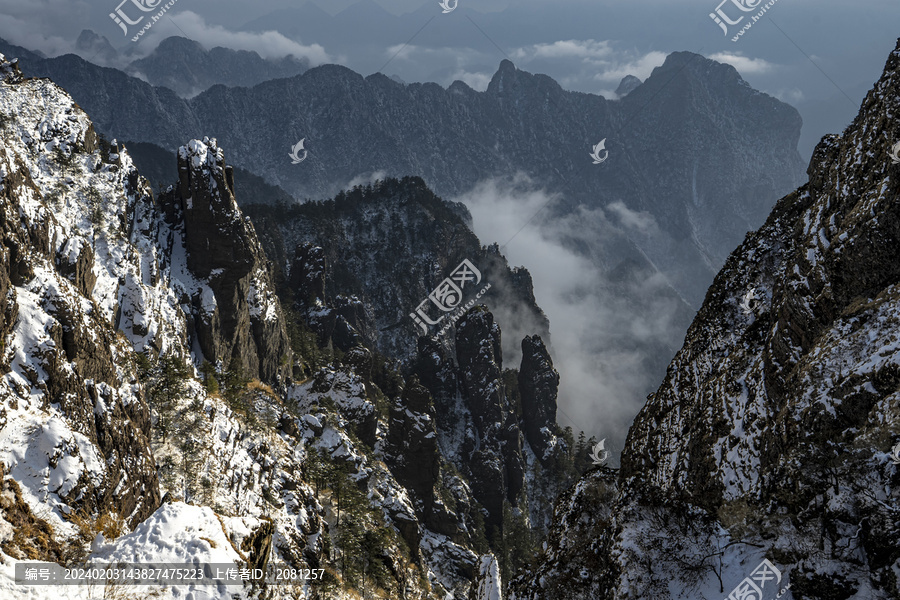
(821, 56)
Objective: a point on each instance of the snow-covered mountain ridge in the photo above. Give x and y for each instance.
(93, 274)
(160, 404)
(769, 438)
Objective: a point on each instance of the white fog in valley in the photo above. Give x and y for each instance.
(598, 338)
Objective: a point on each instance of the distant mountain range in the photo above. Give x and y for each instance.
(185, 66)
(693, 146)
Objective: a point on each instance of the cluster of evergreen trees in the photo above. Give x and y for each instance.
(175, 420)
(179, 419)
(360, 538)
(362, 548)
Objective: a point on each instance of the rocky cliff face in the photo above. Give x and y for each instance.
(241, 323)
(468, 438)
(379, 247)
(537, 385)
(96, 282)
(483, 426)
(95, 269)
(492, 447)
(384, 248)
(769, 437)
(75, 426)
(112, 302)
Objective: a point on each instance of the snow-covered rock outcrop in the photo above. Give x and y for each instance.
(240, 323)
(770, 437)
(147, 407)
(74, 426)
(94, 274)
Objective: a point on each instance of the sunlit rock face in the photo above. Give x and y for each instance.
(769, 437)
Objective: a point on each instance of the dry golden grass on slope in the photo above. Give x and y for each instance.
(258, 386)
(33, 538)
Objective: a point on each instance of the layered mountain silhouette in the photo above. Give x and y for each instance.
(179, 64)
(770, 437)
(696, 158)
(187, 68)
(694, 146)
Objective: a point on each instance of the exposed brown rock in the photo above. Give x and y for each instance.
(223, 250)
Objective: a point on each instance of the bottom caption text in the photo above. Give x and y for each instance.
(162, 574)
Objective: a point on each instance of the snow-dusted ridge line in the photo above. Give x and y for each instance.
(769, 437)
(93, 268)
